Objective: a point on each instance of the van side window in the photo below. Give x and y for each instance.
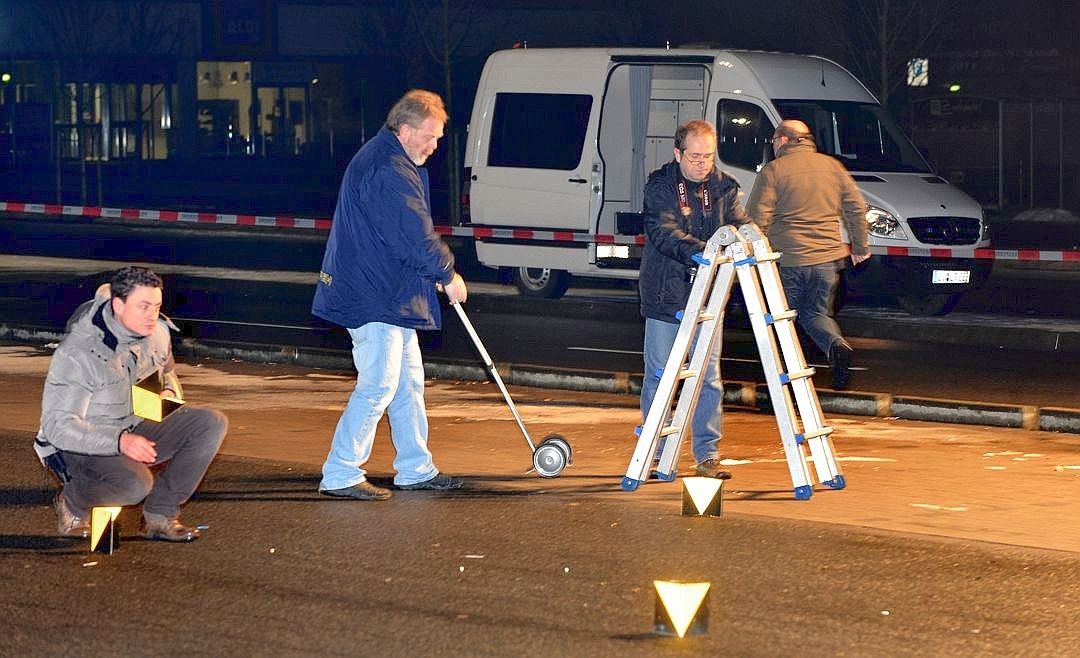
(743, 132)
(539, 131)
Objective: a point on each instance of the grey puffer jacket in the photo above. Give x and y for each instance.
(87, 400)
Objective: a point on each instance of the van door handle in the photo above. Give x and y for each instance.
(577, 180)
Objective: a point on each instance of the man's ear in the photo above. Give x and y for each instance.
(117, 305)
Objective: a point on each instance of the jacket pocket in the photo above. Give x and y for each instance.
(111, 401)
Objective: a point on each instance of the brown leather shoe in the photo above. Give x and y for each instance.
(359, 491)
(67, 523)
(711, 468)
(163, 528)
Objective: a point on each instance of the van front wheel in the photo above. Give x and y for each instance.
(541, 282)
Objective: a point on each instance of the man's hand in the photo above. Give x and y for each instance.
(455, 291)
(137, 447)
(859, 258)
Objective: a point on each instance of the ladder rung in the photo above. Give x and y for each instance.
(706, 317)
(771, 318)
(787, 377)
(669, 430)
(820, 432)
(765, 258)
(688, 373)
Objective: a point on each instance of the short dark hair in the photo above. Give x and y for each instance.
(128, 278)
(414, 107)
(695, 127)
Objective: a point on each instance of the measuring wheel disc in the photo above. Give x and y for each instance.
(558, 440)
(549, 460)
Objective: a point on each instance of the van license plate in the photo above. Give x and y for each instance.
(951, 276)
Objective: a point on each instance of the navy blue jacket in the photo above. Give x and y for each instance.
(673, 237)
(383, 256)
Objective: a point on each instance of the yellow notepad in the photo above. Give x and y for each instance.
(147, 401)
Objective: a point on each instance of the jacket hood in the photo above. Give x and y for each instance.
(95, 316)
(797, 147)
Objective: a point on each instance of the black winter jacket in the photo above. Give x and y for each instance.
(672, 237)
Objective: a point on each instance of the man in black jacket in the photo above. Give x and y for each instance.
(686, 200)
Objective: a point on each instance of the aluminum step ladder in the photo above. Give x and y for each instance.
(744, 253)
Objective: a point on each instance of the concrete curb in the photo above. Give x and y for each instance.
(744, 394)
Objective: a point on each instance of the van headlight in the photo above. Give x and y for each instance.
(884, 224)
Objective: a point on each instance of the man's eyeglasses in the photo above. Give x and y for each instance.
(698, 158)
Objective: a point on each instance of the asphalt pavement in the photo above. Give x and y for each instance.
(947, 539)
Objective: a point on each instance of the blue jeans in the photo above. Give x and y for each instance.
(707, 425)
(811, 290)
(389, 378)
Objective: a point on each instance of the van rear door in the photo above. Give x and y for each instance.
(534, 164)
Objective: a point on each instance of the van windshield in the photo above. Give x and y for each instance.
(861, 135)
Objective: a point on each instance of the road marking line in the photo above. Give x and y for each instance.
(938, 507)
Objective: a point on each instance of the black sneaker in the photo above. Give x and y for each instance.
(359, 491)
(710, 468)
(840, 362)
(438, 483)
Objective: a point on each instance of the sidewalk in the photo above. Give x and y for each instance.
(1008, 486)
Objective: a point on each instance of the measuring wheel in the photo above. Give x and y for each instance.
(549, 460)
(559, 440)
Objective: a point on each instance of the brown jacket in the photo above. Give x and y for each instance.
(798, 201)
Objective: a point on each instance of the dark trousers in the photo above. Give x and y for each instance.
(811, 291)
(188, 439)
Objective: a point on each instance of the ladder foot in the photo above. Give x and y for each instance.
(837, 482)
(804, 492)
(630, 484)
(665, 477)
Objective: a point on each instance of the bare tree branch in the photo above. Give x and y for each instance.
(879, 37)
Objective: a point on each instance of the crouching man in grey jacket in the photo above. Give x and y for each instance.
(90, 436)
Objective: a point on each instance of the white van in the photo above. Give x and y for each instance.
(561, 141)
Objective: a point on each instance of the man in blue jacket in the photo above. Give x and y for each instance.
(382, 267)
(685, 201)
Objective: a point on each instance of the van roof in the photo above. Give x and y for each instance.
(770, 74)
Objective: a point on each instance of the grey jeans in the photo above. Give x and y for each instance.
(188, 439)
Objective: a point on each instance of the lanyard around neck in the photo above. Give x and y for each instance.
(684, 198)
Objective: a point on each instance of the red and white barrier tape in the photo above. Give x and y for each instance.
(277, 221)
(282, 221)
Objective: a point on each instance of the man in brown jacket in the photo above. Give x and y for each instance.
(798, 201)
